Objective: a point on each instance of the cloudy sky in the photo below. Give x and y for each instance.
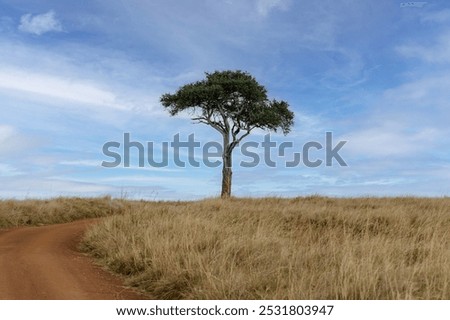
(77, 74)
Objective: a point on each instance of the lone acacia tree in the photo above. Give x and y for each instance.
(233, 103)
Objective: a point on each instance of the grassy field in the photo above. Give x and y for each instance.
(302, 248)
(15, 213)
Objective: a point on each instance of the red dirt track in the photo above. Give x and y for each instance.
(43, 263)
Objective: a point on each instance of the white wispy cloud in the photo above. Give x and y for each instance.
(74, 90)
(264, 7)
(411, 118)
(6, 23)
(440, 16)
(438, 52)
(13, 141)
(407, 120)
(434, 49)
(76, 79)
(40, 24)
(31, 186)
(84, 163)
(389, 141)
(7, 170)
(6, 132)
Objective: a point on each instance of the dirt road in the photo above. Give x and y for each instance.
(43, 263)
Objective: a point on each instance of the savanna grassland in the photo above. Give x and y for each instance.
(33, 212)
(270, 248)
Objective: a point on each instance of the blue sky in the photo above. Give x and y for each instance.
(76, 74)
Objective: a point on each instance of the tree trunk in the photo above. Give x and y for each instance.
(226, 170)
(226, 175)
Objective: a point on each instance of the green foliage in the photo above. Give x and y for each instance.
(230, 102)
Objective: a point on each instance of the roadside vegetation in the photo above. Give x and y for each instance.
(302, 248)
(14, 213)
(271, 248)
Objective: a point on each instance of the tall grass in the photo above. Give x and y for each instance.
(302, 248)
(59, 210)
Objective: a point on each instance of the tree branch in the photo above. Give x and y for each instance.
(216, 125)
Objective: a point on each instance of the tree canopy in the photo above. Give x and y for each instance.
(230, 100)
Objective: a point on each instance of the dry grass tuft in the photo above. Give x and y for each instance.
(15, 213)
(302, 248)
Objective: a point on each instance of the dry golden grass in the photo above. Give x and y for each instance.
(37, 212)
(302, 248)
